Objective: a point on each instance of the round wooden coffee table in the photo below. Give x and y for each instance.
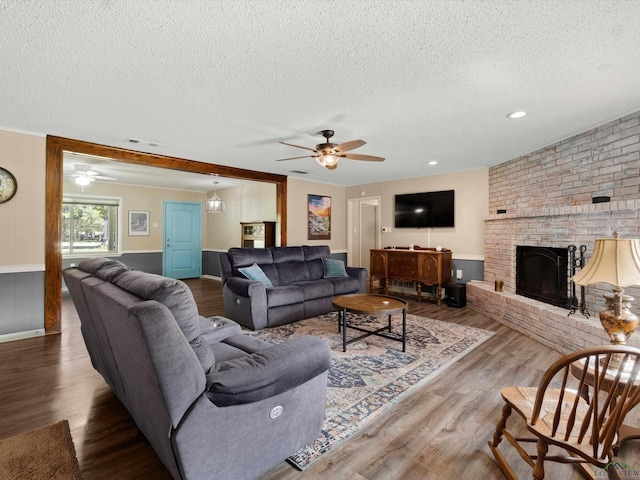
(370, 304)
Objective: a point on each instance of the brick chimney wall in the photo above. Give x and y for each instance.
(547, 196)
(601, 161)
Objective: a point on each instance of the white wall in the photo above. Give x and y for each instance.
(22, 217)
(136, 197)
(251, 202)
(297, 191)
(466, 239)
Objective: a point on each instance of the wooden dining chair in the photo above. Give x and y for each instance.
(579, 406)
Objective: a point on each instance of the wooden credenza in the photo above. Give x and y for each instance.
(424, 266)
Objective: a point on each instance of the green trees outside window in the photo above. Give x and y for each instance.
(89, 226)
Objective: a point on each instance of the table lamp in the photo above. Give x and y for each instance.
(615, 261)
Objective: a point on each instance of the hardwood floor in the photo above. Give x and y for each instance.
(440, 432)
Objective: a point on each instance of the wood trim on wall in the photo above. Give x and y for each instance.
(53, 204)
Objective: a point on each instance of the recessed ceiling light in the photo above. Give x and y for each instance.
(518, 114)
(432, 162)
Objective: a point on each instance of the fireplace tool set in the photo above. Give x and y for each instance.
(576, 263)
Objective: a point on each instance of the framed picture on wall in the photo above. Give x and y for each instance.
(319, 217)
(138, 222)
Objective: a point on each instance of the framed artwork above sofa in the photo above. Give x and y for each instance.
(319, 217)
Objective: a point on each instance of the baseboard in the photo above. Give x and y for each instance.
(10, 337)
(212, 277)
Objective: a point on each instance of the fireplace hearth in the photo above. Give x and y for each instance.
(542, 274)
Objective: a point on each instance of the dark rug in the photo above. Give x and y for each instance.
(46, 453)
(374, 374)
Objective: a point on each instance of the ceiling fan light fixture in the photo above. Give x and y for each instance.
(328, 154)
(83, 180)
(328, 160)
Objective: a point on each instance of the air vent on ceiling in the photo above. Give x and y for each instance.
(148, 143)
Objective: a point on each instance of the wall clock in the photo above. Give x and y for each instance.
(8, 185)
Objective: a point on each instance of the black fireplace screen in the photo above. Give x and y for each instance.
(542, 274)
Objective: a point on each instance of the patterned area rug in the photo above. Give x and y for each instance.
(373, 374)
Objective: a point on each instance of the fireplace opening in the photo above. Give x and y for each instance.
(542, 274)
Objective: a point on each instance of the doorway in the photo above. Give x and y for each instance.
(363, 227)
(53, 200)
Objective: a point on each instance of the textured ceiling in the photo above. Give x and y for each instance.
(224, 81)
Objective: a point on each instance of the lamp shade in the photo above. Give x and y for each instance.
(615, 261)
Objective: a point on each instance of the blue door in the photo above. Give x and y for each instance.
(182, 240)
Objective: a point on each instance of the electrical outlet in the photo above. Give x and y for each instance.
(459, 274)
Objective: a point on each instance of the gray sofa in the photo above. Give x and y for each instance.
(299, 284)
(213, 402)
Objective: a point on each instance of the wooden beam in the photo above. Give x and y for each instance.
(56, 146)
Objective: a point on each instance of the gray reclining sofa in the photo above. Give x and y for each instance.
(298, 284)
(212, 402)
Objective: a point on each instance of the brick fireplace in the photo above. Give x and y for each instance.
(547, 199)
(548, 324)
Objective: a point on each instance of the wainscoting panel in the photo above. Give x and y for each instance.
(150, 262)
(22, 300)
(471, 270)
(211, 263)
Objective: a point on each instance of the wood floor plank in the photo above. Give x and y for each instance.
(440, 432)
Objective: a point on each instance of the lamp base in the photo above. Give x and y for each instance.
(618, 321)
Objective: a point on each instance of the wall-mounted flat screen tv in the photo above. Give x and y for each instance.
(425, 210)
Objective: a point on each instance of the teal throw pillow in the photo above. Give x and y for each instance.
(334, 268)
(254, 272)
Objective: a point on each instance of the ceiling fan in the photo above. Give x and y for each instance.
(84, 175)
(329, 154)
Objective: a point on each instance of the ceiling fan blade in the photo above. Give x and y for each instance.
(295, 158)
(366, 158)
(297, 146)
(352, 145)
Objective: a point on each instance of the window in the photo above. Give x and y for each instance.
(90, 225)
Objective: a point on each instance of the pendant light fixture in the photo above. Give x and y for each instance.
(214, 204)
